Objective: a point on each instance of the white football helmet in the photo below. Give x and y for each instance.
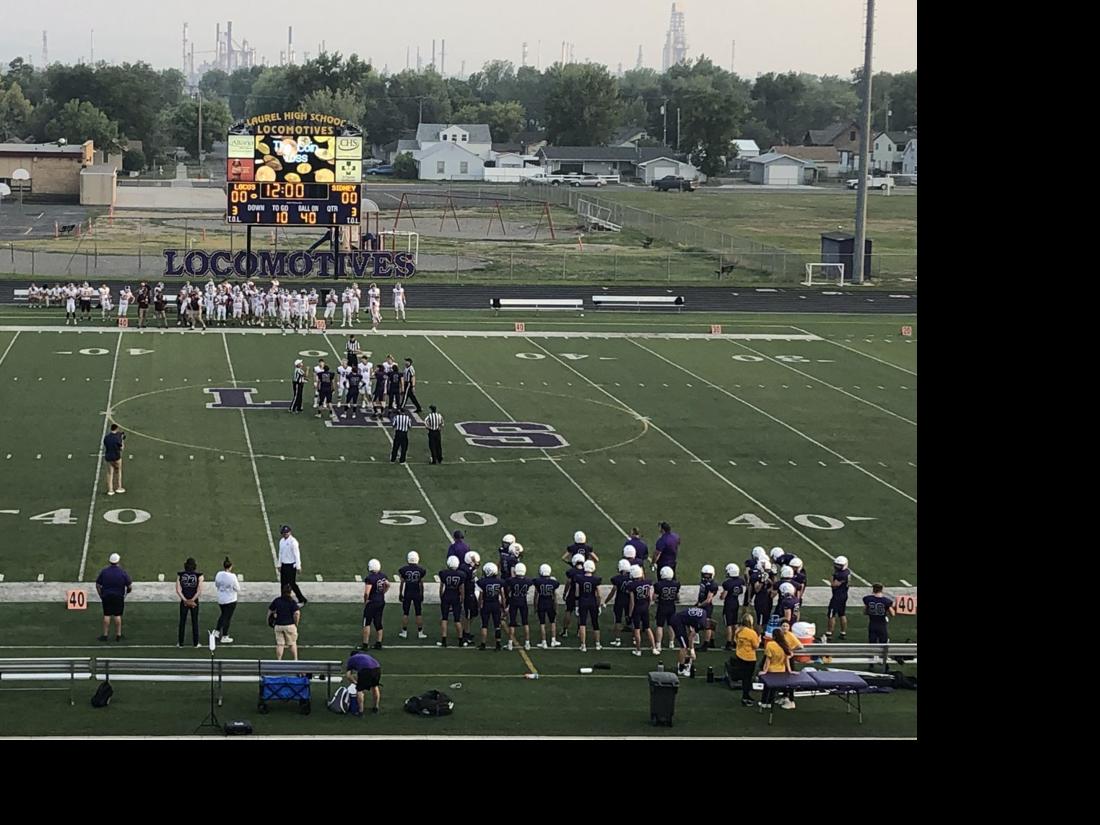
(786, 589)
(520, 569)
(544, 570)
(841, 561)
(629, 552)
(624, 565)
(666, 573)
(374, 565)
(473, 559)
(516, 549)
(732, 570)
(578, 558)
(796, 563)
(413, 557)
(508, 540)
(490, 569)
(764, 566)
(707, 570)
(786, 572)
(635, 571)
(590, 566)
(580, 538)
(452, 562)
(759, 553)
(776, 553)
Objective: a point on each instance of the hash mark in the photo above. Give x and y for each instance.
(582, 461)
(641, 461)
(904, 582)
(791, 463)
(41, 577)
(823, 464)
(672, 461)
(689, 385)
(160, 577)
(611, 460)
(881, 464)
(762, 463)
(733, 463)
(319, 578)
(460, 458)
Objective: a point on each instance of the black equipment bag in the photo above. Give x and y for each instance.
(432, 703)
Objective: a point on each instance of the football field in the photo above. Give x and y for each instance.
(799, 434)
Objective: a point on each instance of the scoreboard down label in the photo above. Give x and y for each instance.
(293, 204)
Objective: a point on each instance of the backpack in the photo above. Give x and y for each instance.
(344, 700)
(103, 695)
(432, 703)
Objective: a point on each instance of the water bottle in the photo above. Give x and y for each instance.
(660, 667)
(710, 674)
(530, 675)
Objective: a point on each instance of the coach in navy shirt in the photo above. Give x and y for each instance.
(112, 454)
(459, 547)
(112, 584)
(668, 546)
(365, 673)
(641, 549)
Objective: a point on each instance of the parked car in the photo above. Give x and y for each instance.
(384, 169)
(587, 180)
(875, 182)
(673, 182)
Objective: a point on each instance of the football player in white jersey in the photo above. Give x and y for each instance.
(366, 371)
(345, 310)
(303, 309)
(398, 302)
(125, 296)
(70, 304)
(356, 296)
(284, 309)
(311, 300)
(330, 306)
(104, 301)
(342, 378)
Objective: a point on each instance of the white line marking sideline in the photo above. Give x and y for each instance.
(11, 343)
(859, 352)
(752, 406)
(252, 458)
(98, 463)
(707, 467)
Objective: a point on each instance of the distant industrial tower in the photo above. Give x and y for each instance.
(45, 51)
(638, 65)
(443, 58)
(522, 62)
(676, 46)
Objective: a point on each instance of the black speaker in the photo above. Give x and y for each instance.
(238, 727)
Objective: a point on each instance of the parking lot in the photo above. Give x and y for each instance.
(36, 220)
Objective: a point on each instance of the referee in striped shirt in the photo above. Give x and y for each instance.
(434, 423)
(401, 423)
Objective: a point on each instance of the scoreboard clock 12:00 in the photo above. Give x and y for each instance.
(292, 203)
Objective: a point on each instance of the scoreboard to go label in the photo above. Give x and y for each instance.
(294, 169)
(293, 204)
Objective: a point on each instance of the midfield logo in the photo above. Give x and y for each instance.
(240, 398)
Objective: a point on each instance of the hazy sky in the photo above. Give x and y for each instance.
(816, 36)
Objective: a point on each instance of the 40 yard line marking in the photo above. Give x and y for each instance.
(252, 458)
(408, 469)
(509, 416)
(623, 405)
(98, 463)
(779, 421)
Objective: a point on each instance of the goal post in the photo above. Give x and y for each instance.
(824, 273)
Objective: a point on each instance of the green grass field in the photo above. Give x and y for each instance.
(808, 443)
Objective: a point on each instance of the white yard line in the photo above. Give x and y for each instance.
(779, 421)
(99, 460)
(623, 405)
(859, 352)
(408, 469)
(252, 458)
(545, 453)
(11, 343)
(823, 382)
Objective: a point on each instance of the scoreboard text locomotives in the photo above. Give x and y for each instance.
(293, 204)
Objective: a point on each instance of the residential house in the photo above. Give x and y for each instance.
(628, 136)
(887, 151)
(746, 149)
(663, 166)
(625, 161)
(843, 136)
(774, 169)
(473, 137)
(447, 160)
(824, 161)
(909, 157)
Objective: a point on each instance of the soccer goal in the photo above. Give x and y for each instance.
(824, 274)
(409, 240)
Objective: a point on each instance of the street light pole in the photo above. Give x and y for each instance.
(864, 142)
(200, 133)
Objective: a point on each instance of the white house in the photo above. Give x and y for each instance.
(449, 161)
(773, 169)
(746, 149)
(887, 150)
(909, 158)
(657, 168)
(473, 137)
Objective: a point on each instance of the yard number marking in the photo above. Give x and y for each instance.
(136, 517)
(483, 519)
(412, 518)
(62, 516)
(94, 351)
(906, 606)
(76, 600)
(813, 520)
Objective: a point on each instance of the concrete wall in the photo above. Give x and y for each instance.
(49, 175)
(97, 188)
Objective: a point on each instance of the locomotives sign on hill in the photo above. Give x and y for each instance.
(224, 264)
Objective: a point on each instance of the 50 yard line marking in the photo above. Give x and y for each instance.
(623, 405)
(408, 469)
(779, 421)
(509, 416)
(99, 461)
(252, 458)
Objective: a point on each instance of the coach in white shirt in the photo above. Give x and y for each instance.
(229, 587)
(290, 563)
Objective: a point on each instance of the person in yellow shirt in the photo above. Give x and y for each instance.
(742, 664)
(787, 701)
(777, 659)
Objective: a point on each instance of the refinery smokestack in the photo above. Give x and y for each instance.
(290, 45)
(442, 57)
(229, 46)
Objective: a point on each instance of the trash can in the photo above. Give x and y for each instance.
(662, 697)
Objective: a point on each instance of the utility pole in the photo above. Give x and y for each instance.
(664, 123)
(888, 113)
(677, 128)
(864, 141)
(200, 133)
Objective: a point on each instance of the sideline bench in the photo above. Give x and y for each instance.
(46, 670)
(638, 302)
(536, 304)
(225, 670)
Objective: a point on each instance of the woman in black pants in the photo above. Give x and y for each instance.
(189, 588)
(228, 589)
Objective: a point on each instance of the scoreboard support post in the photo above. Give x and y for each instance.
(248, 241)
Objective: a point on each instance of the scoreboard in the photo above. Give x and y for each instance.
(294, 169)
(293, 204)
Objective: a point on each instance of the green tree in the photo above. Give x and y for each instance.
(582, 104)
(31, 81)
(531, 94)
(15, 112)
(133, 160)
(496, 81)
(382, 120)
(240, 86)
(505, 118)
(215, 83)
(271, 92)
(410, 90)
(405, 167)
(345, 104)
(778, 102)
(713, 104)
(184, 123)
(78, 121)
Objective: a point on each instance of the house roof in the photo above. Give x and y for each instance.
(479, 132)
(606, 153)
(824, 137)
(627, 133)
(823, 154)
(517, 148)
(99, 169)
(407, 145)
(897, 138)
(771, 157)
(662, 157)
(40, 149)
(745, 145)
(440, 148)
